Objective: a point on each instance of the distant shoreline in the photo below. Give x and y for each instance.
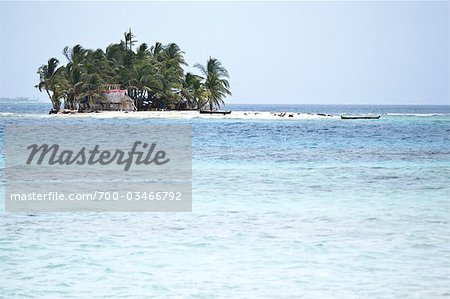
(20, 100)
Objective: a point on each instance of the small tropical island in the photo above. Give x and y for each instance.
(151, 80)
(125, 78)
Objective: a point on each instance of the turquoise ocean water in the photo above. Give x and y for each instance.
(322, 208)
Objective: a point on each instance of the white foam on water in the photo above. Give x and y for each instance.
(416, 114)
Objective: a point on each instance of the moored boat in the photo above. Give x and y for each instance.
(214, 112)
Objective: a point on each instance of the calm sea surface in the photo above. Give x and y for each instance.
(323, 208)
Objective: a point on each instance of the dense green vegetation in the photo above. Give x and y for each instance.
(153, 76)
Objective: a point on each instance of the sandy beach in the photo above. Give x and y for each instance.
(256, 115)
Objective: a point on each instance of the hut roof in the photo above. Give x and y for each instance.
(117, 96)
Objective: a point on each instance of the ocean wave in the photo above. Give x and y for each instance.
(417, 114)
(24, 115)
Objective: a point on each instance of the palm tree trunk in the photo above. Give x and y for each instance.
(49, 96)
(55, 103)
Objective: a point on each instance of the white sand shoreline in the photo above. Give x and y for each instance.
(256, 115)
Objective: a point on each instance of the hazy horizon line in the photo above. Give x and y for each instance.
(31, 100)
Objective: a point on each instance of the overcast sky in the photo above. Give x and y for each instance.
(291, 52)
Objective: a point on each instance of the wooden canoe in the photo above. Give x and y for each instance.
(214, 112)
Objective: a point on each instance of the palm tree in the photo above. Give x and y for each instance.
(156, 50)
(129, 39)
(142, 83)
(193, 90)
(165, 89)
(50, 81)
(73, 77)
(165, 76)
(75, 55)
(92, 89)
(173, 63)
(116, 53)
(216, 83)
(142, 51)
(73, 72)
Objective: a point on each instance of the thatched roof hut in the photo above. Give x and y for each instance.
(118, 100)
